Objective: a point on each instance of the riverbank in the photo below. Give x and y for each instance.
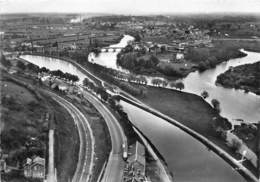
(76, 64)
(245, 77)
(154, 160)
(193, 112)
(161, 63)
(101, 135)
(122, 118)
(249, 176)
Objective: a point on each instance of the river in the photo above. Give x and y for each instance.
(108, 59)
(234, 104)
(55, 64)
(187, 158)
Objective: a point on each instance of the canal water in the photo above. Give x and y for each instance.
(234, 104)
(187, 158)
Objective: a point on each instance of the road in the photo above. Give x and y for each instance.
(86, 150)
(51, 177)
(115, 165)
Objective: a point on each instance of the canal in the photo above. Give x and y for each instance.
(188, 159)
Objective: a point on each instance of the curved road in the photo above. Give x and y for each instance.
(115, 164)
(86, 152)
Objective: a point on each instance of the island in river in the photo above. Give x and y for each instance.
(245, 77)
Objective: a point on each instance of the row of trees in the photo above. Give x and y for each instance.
(159, 82)
(66, 75)
(98, 89)
(37, 69)
(179, 85)
(155, 82)
(215, 103)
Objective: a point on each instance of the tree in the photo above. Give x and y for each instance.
(157, 82)
(74, 78)
(58, 73)
(128, 48)
(33, 67)
(86, 82)
(143, 80)
(96, 51)
(44, 69)
(163, 49)
(102, 92)
(179, 85)
(235, 144)
(216, 104)
(91, 85)
(21, 65)
(204, 94)
(5, 61)
(164, 83)
(172, 84)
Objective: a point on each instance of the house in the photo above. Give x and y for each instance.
(179, 56)
(3, 157)
(136, 158)
(2, 165)
(63, 87)
(35, 168)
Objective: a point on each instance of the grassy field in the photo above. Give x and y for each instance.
(23, 117)
(190, 110)
(22, 114)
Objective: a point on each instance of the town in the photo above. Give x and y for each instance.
(109, 97)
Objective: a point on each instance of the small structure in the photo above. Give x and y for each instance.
(35, 168)
(179, 56)
(63, 87)
(136, 158)
(3, 157)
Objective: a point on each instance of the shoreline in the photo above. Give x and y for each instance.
(216, 149)
(229, 78)
(79, 66)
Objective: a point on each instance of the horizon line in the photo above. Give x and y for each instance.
(137, 14)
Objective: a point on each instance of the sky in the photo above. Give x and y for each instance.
(130, 6)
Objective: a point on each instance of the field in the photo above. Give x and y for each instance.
(190, 110)
(23, 112)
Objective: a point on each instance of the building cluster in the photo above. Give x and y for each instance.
(136, 164)
(58, 83)
(34, 167)
(51, 37)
